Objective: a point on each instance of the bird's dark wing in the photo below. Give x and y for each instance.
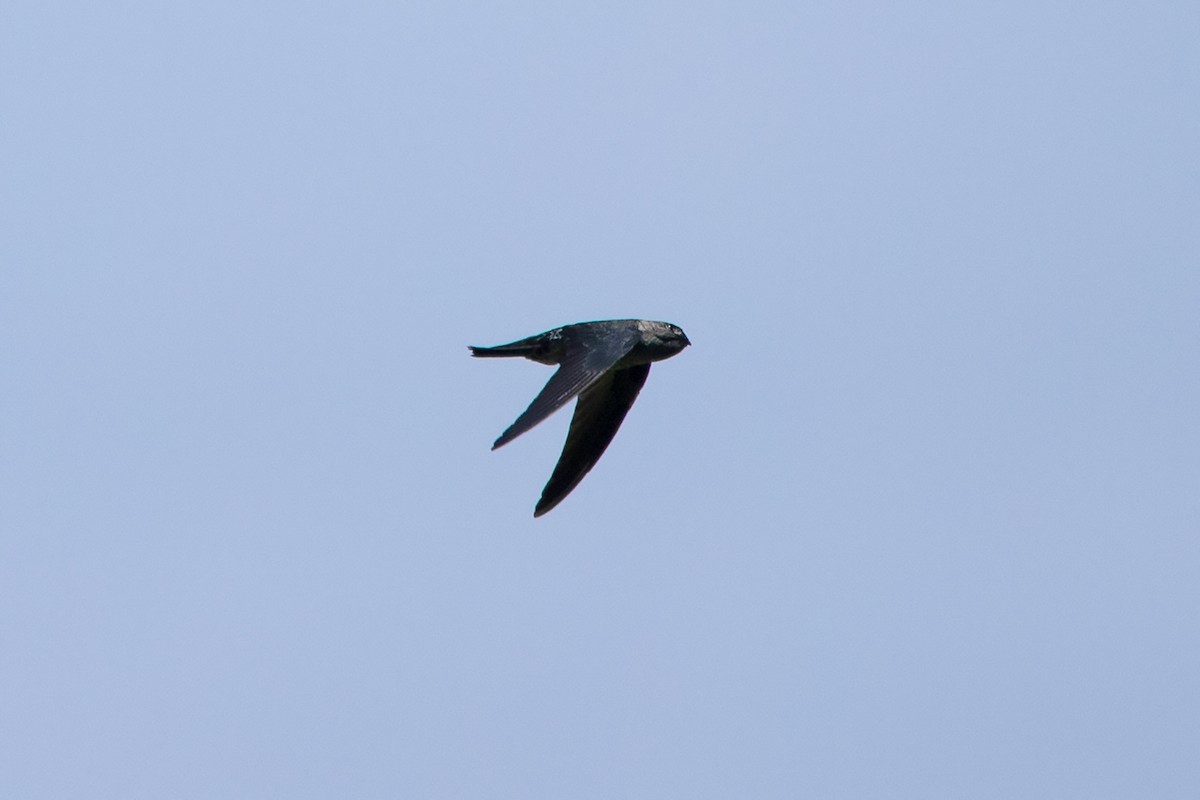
(600, 410)
(588, 357)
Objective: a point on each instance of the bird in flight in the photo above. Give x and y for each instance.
(604, 363)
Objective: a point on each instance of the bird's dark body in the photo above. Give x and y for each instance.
(605, 364)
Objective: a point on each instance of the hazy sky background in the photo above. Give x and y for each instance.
(917, 516)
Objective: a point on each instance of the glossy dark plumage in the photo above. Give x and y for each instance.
(605, 364)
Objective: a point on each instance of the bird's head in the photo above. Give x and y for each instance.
(664, 337)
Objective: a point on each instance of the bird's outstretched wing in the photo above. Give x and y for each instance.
(588, 357)
(598, 414)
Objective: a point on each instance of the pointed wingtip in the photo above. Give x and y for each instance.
(547, 504)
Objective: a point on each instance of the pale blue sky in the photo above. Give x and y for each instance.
(917, 516)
